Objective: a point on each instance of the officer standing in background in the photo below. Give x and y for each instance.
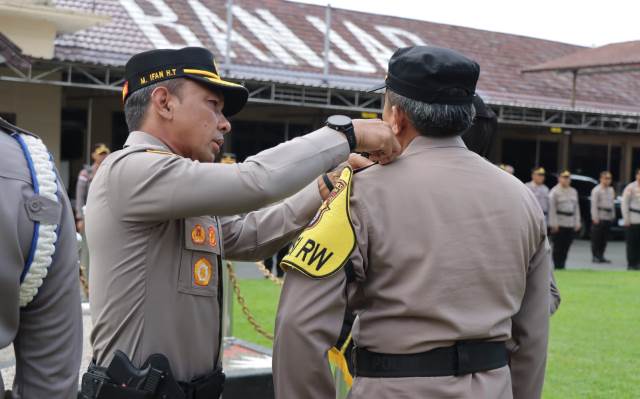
(603, 212)
(439, 279)
(159, 220)
(631, 216)
(39, 290)
(539, 189)
(564, 218)
(85, 177)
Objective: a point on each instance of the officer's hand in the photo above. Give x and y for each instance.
(596, 221)
(322, 186)
(627, 224)
(357, 161)
(376, 137)
(577, 228)
(555, 229)
(80, 225)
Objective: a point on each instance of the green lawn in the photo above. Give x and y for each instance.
(595, 335)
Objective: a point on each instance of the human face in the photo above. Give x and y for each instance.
(198, 123)
(538, 178)
(98, 158)
(605, 180)
(564, 181)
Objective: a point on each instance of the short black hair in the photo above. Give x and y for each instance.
(135, 108)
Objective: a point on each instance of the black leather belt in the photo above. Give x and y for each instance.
(605, 209)
(564, 213)
(634, 210)
(459, 359)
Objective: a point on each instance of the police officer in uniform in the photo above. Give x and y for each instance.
(631, 216)
(159, 218)
(603, 212)
(39, 291)
(539, 189)
(439, 275)
(564, 218)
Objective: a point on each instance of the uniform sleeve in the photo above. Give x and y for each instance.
(48, 346)
(530, 328)
(165, 187)
(81, 193)
(260, 234)
(554, 295)
(308, 325)
(553, 216)
(626, 198)
(594, 203)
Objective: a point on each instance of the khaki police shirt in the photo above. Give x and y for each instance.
(47, 333)
(449, 248)
(603, 203)
(630, 202)
(541, 193)
(564, 200)
(156, 223)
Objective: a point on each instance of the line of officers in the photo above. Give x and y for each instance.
(562, 209)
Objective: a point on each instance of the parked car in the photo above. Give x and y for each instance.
(584, 185)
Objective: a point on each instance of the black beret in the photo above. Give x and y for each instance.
(432, 75)
(195, 63)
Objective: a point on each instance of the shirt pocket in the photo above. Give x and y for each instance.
(199, 257)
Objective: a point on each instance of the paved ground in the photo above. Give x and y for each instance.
(579, 258)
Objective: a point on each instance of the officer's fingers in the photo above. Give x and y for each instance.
(357, 161)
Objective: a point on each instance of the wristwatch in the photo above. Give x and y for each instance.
(344, 125)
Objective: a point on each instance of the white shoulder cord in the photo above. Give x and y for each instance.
(45, 184)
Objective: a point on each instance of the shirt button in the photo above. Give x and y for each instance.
(35, 206)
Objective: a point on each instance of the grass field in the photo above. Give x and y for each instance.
(595, 335)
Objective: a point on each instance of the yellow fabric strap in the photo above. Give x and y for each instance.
(337, 360)
(162, 152)
(324, 247)
(210, 76)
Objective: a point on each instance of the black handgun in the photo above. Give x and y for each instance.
(123, 373)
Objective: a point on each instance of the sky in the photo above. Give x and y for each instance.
(586, 23)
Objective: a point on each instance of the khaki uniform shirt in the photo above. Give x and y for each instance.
(541, 193)
(564, 208)
(85, 177)
(156, 224)
(631, 200)
(47, 333)
(449, 248)
(603, 203)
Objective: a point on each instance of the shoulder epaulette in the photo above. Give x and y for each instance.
(161, 152)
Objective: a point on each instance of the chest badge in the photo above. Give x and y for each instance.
(198, 234)
(202, 272)
(212, 237)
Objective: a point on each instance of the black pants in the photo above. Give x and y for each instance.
(633, 246)
(561, 243)
(599, 238)
(276, 269)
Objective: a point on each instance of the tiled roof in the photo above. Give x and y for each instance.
(360, 45)
(611, 55)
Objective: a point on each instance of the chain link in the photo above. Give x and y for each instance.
(245, 309)
(267, 273)
(83, 280)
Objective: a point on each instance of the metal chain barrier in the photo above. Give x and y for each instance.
(245, 309)
(83, 281)
(267, 273)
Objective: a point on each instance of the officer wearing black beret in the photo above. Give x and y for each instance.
(159, 217)
(441, 255)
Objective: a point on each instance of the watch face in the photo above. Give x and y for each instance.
(339, 120)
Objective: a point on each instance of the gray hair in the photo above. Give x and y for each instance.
(137, 103)
(435, 120)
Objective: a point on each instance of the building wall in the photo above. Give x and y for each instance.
(37, 108)
(34, 39)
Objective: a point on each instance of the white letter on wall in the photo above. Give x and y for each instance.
(217, 29)
(359, 64)
(377, 50)
(400, 37)
(277, 37)
(167, 18)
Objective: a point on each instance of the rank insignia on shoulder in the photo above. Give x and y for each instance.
(161, 152)
(324, 247)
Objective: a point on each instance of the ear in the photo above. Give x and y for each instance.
(398, 120)
(162, 102)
